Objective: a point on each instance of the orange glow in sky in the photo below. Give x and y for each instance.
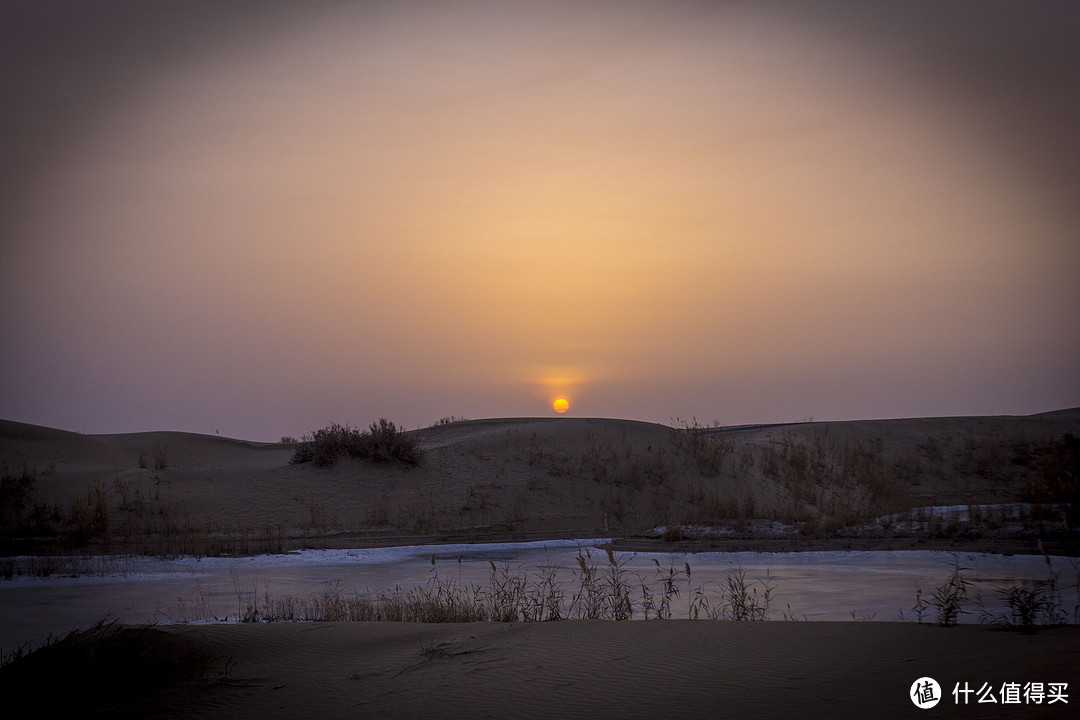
(731, 211)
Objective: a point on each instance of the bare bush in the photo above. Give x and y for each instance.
(382, 441)
(160, 459)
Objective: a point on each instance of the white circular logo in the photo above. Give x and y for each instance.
(925, 693)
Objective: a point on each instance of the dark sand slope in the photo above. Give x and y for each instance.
(535, 477)
(595, 669)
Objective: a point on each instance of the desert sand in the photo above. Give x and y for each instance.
(794, 486)
(538, 478)
(598, 669)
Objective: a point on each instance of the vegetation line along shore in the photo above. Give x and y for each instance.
(603, 587)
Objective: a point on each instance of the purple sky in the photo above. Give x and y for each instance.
(261, 218)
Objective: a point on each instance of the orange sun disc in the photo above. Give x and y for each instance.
(561, 405)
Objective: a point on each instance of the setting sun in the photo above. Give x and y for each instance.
(543, 190)
(561, 405)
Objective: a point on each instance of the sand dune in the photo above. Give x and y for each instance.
(596, 669)
(539, 477)
(547, 478)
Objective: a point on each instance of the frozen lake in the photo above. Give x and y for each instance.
(835, 585)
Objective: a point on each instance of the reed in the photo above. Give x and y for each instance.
(600, 588)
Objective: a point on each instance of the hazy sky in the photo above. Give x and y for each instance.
(264, 217)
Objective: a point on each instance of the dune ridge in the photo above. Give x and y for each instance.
(540, 477)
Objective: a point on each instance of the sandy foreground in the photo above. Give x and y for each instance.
(598, 669)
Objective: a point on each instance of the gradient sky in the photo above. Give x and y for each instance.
(261, 218)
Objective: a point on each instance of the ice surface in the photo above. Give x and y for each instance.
(825, 585)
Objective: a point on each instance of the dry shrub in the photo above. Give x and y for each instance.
(160, 459)
(382, 441)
